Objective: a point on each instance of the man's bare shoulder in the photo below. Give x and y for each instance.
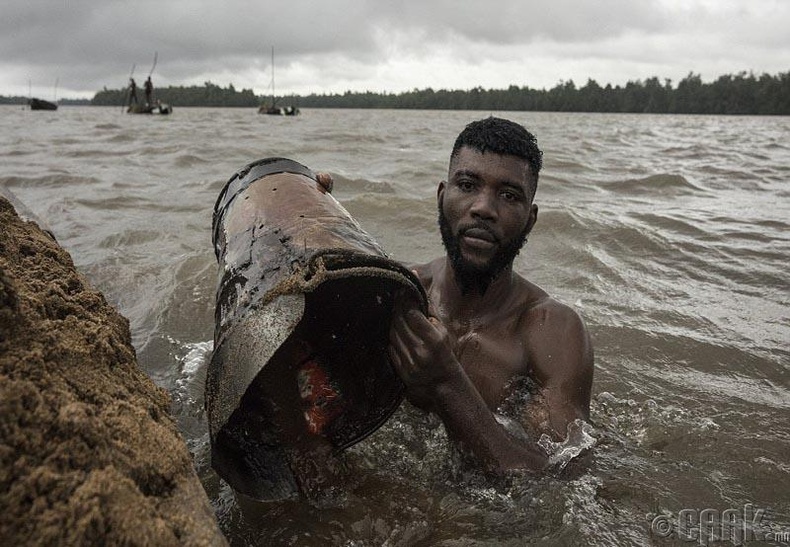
(538, 308)
(427, 272)
(557, 340)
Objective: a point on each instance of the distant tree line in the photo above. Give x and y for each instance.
(731, 94)
(742, 93)
(16, 99)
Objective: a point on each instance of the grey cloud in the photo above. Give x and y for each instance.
(94, 43)
(514, 21)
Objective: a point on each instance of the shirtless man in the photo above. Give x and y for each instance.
(149, 90)
(488, 326)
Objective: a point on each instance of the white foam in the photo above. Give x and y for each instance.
(579, 438)
(190, 364)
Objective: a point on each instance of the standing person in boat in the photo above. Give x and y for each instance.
(490, 330)
(132, 91)
(149, 90)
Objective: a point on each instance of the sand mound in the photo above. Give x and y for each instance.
(88, 451)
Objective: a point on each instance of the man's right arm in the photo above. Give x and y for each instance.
(421, 351)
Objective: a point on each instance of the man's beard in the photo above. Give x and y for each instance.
(471, 277)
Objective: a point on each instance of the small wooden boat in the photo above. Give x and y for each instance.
(41, 104)
(278, 110)
(271, 108)
(156, 108)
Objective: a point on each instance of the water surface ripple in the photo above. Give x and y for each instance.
(669, 234)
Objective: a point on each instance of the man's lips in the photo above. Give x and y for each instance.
(479, 233)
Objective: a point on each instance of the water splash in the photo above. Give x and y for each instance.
(578, 439)
(186, 389)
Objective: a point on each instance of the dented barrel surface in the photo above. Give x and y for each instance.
(302, 321)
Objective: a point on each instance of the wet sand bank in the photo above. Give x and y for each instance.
(89, 453)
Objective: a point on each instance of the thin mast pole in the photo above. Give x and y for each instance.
(156, 54)
(273, 94)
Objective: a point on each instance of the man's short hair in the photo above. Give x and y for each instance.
(502, 137)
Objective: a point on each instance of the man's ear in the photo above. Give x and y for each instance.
(440, 191)
(533, 217)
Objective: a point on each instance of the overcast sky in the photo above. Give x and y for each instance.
(326, 46)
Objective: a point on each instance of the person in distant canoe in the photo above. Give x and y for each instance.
(489, 331)
(132, 91)
(149, 90)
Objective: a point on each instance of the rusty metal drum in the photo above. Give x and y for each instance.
(302, 320)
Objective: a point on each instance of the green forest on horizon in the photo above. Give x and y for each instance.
(742, 93)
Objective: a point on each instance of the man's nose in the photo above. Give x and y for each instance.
(484, 205)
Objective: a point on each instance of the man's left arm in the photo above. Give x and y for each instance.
(561, 361)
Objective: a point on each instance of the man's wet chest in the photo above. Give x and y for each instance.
(491, 359)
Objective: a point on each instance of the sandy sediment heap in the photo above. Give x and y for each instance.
(89, 454)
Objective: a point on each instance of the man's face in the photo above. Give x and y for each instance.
(485, 214)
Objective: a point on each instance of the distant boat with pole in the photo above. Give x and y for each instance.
(152, 107)
(157, 108)
(272, 108)
(41, 104)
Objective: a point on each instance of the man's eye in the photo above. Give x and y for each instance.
(510, 196)
(466, 185)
